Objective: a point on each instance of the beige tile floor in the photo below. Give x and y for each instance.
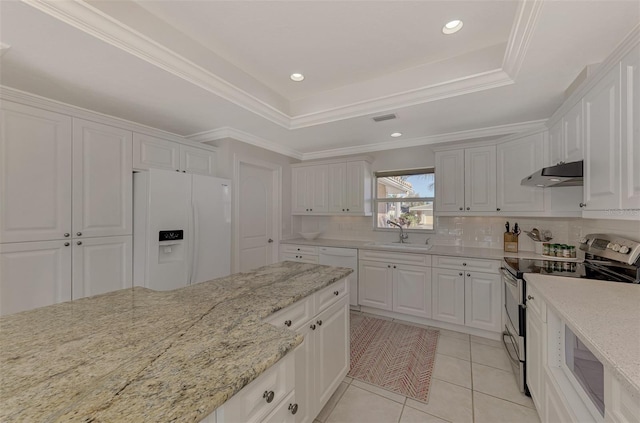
(472, 383)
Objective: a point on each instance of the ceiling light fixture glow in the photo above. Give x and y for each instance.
(452, 27)
(396, 134)
(297, 77)
(554, 180)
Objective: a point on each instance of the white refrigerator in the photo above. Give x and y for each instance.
(181, 229)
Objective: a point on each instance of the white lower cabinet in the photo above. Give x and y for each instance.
(323, 359)
(299, 253)
(448, 295)
(266, 395)
(393, 285)
(554, 408)
(467, 292)
(536, 349)
(101, 265)
(34, 274)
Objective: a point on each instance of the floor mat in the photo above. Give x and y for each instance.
(392, 355)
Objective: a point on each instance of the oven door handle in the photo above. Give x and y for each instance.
(509, 277)
(505, 334)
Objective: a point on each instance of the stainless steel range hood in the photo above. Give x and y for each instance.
(560, 175)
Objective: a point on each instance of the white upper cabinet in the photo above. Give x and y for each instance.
(151, 152)
(572, 139)
(450, 181)
(332, 188)
(466, 180)
(310, 189)
(602, 144)
(480, 179)
(630, 136)
(516, 160)
(35, 174)
(556, 144)
(196, 160)
(102, 180)
(34, 274)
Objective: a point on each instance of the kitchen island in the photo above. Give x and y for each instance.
(142, 355)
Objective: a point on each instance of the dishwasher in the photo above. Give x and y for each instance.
(343, 257)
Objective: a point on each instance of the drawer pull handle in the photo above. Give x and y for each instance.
(336, 293)
(529, 297)
(268, 396)
(293, 408)
(313, 327)
(319, 322)
(287, 322)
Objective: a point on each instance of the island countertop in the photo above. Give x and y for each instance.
(142, 355)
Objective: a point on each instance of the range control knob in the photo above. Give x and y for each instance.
(624, 249)
(616, 247)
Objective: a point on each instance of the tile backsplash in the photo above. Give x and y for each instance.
(484, 232)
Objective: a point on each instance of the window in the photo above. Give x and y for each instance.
(405, 197)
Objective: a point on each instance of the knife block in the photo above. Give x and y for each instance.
(510, 242)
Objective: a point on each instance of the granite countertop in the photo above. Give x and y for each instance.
(604, 315)
(142, 355)
(439, 250)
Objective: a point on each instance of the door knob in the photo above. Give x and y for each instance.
(79, 242)
(270, 241)
(79, 233)
(287, 322)
(468, 208)
(67, 235)
(319, 322)
(583, 205)
(293, 408)
(468, 274)
(313, 327)
(336, 292)
(460, 274)
(66, 244)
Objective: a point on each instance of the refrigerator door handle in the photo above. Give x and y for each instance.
(196, 243)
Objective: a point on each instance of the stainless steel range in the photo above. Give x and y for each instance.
(607, 258)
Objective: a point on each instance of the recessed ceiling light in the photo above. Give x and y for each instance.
(297, 77)
(452, 27)
(396, 134)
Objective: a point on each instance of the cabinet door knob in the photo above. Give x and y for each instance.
(79, 242)
(268, 396)
(177, 170)
(313, 327)
(468, 274)
(389, 266)
(293, 408)
(529, 297)
(66, 244)
(464, 264)
(343, 210)
(460, 274)
(319, 322)
(66, 235)
(498, 209)
(79, 233)
(394, 267)
(184, 171)
(310, 209)
(287, 322)
(461, 208)
(270, 241)
(468, 208)
(583, 205)
(347, 209)
(336, 292)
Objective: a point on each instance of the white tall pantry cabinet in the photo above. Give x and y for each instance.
(65, 208)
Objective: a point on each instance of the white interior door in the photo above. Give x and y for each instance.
(256, 210)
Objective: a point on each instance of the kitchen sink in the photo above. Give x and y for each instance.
(400, 246)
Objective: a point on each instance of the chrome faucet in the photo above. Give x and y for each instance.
(403, 236)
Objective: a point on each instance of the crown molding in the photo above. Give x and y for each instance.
(228, 132)
(521, 35)
(92, 21)
(33, 100)
(430, 139)
(467, 85)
